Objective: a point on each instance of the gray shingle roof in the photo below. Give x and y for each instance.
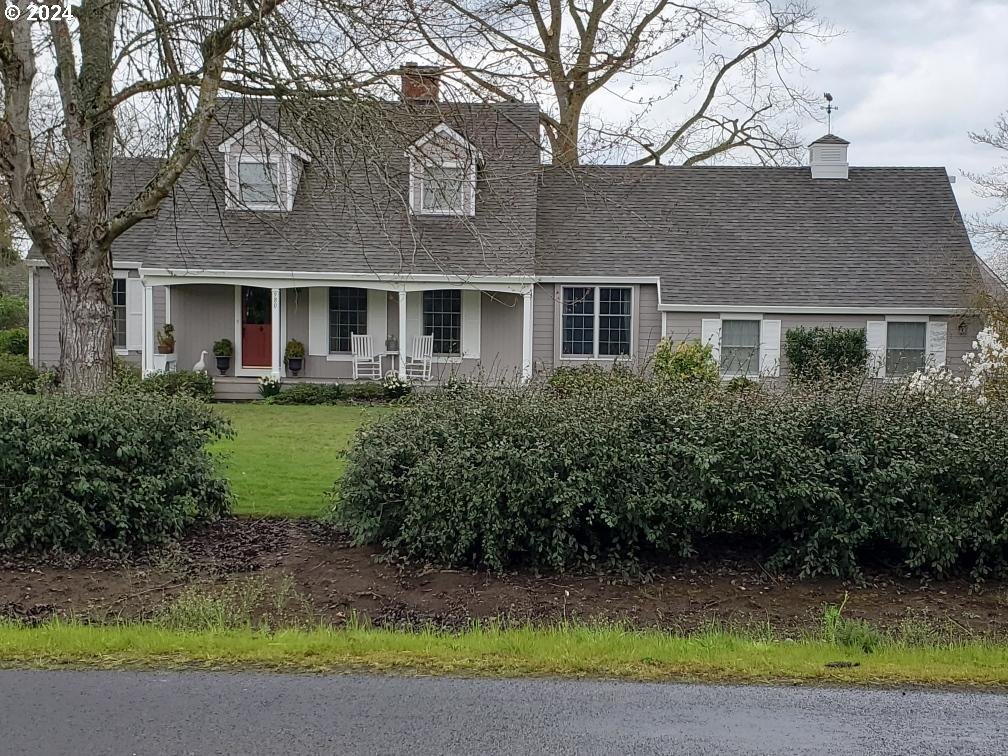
(830, 139)
(715, 236)
(765, 237)
(350, 211)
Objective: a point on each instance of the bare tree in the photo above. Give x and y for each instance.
(991, 228)
(726, 64)
(166, 60)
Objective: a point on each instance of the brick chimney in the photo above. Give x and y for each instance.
(420, 82)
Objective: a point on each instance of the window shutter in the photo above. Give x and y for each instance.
(875, 335)
(414, 321)
(710, 333)
(134, 314)
(318, 321)
(937, 337)
(471, 323)
(377, 317)
(769, 360)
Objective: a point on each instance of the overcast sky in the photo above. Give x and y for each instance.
(912, 78)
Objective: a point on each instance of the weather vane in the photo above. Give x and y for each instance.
(829, 108)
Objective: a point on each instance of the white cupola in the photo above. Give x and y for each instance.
(828, 157)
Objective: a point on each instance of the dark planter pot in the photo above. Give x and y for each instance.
(294, 364)
(165, 349)
(223, 363)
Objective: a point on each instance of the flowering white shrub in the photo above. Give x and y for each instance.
(268, 386)
(395, 386)
(986, 372)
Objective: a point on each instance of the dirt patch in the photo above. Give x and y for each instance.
(339, 580)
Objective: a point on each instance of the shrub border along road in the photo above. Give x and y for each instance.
(560, 651)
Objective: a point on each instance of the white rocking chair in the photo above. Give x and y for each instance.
(365, 363)
(421, 355)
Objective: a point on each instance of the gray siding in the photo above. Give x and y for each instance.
(547, 325)
(202, 313)
(48, 312)
(543, 336)
(685, 326)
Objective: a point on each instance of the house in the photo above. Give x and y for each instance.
(421, 216)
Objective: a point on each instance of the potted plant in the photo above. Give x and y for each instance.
(166, 339)
(294, 356)
(392, 343)
(223, 351)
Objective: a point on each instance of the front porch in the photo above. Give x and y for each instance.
(480, 328)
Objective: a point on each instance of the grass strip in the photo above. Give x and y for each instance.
(560, 651)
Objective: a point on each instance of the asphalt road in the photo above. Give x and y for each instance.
(240, 713)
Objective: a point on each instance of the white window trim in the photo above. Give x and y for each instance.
(346, 356)
(122, 351)
(417, 172)
(595, 356)
(279, 167)
(725, 375)
(447, 358)
(885, 355)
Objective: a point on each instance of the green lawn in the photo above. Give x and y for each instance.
(284, 458)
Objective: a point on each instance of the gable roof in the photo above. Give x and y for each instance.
(444, 132)
(765, 238)
(263, 128)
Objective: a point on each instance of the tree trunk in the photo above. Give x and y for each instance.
(86, 346)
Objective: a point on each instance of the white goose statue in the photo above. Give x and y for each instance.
(200, 367)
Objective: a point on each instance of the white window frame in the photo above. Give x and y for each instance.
(919, 320)
(595, 323)
(418, 173)
(367, 311)
(121, 350)
(280, 170)
(725, 374)
(444, 166)
(423, 321)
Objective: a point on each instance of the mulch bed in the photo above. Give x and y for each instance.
(338, 580)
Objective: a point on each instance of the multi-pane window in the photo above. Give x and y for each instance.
(442, 188)
(257, 184)
(596, 321)
(614, 321)
(442, 317)
(119, 312)
(347, 315)
(740, 346)
(905, 348)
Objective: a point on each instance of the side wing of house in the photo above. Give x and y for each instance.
(45, 313)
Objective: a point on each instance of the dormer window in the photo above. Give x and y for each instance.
(443, 188)
(259, 182)
(443, 173)
(261, 169)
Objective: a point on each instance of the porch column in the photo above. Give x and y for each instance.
(403, 346)
(527, 334)
(147, 358)
(276, 369)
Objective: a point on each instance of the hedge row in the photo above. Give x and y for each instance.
(332, 393)
(116, 471)
(554, 479)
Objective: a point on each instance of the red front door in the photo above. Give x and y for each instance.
(256, 327)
